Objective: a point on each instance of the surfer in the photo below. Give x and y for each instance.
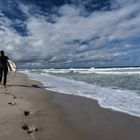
(4, 64)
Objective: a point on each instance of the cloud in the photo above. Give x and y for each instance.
(74, 37)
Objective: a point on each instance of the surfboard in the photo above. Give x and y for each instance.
(12, 65)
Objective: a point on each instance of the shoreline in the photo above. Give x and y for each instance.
(94, 99)
(54, 116)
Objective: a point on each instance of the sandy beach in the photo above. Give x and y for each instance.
(28, 112)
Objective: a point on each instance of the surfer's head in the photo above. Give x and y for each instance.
(2, 52)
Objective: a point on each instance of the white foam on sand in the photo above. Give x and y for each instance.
(122, 100)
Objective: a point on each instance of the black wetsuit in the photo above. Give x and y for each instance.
(3, 68)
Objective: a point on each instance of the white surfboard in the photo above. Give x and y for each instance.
(12, 65)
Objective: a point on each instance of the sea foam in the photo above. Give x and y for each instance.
(122, 100)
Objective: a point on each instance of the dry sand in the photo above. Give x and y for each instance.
(28, 112)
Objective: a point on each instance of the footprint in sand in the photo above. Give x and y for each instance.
(14, 97)
(7, 93)
(12, 103)
(26, 113)
(6, 89)
(29, 128)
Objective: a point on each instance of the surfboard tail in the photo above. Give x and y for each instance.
(12, 66)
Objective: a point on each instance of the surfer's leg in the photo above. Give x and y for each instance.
(1, 71)
(5, 76)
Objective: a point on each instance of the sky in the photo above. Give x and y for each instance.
(70, 33)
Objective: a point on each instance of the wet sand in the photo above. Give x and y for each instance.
(28, 112)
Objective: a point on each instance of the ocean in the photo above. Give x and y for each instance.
(115, 88)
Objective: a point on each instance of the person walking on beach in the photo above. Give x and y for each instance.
(3, 67)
